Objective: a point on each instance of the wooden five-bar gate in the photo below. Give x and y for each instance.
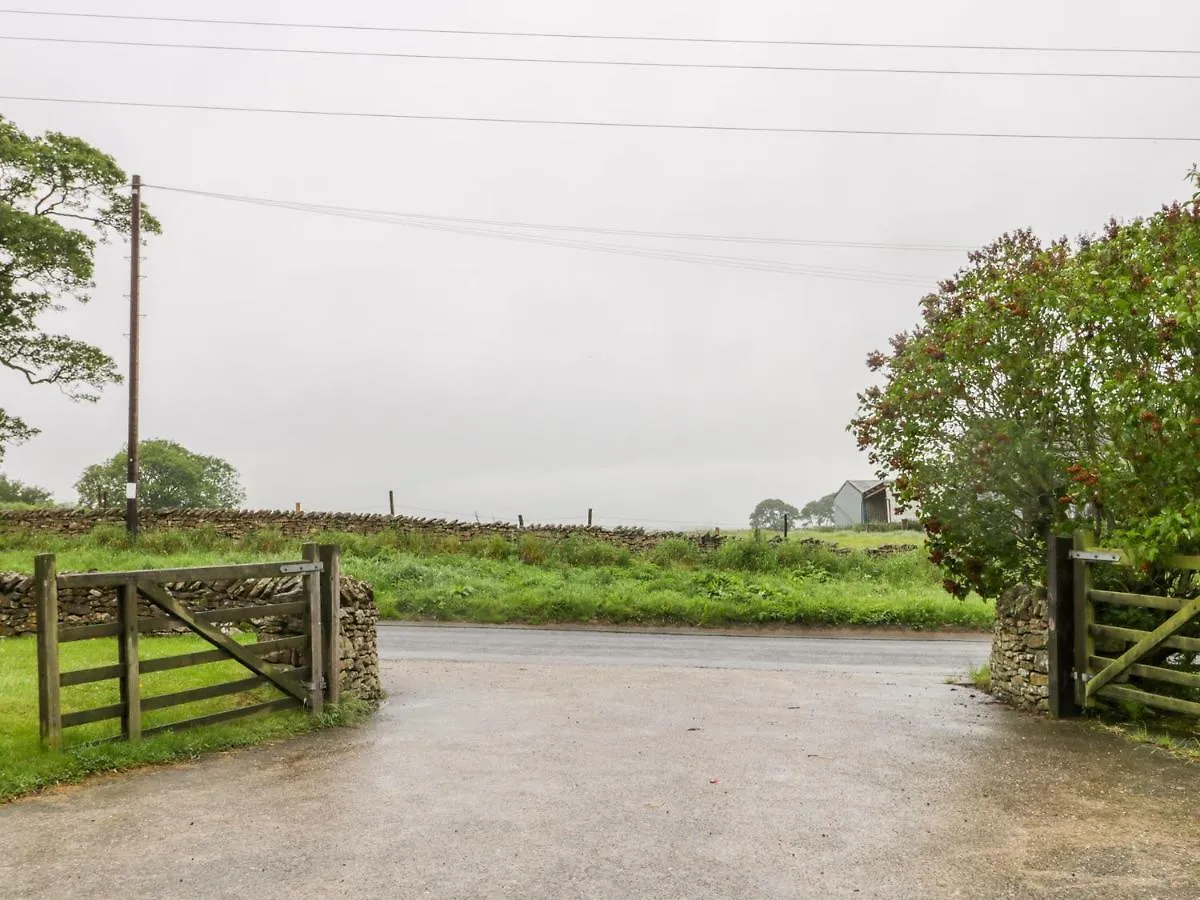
(1129, 664)
(309, 685)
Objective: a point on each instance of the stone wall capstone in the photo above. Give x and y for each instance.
(1020, 666)
(86, 606)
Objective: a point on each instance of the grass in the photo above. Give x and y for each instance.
(26, 767)
(852, 538)
(1178, 737)
(980, 677)
(493, 580)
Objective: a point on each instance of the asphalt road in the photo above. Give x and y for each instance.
(688, 650)
(539, 764)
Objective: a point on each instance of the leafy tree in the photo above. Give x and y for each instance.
(769, 515)
(819, 512)
(1048, 387)
(13, 491)
(170, 476)
(59, 198)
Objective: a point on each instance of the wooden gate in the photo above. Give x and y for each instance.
(1135, 673)
(308, 685)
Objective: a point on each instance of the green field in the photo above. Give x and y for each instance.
(857, 539)
(25, 767)
(577, 580)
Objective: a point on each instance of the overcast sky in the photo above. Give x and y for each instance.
(331, 359)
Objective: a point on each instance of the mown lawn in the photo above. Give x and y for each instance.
(25, 766)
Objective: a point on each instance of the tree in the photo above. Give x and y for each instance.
(769, 515)
(59, 198)
(171, 476)
(1049, 387)
(13, 491)
(819, 512)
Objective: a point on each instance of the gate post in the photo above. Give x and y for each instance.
(1060, 646)
(1084, 617)
(49, 707)
(127, 653)
(331, 619)
(312, 621)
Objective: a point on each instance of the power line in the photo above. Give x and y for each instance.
(672, 126)
(599, 62)
(736, 262)
(543, 226)
(395, 29)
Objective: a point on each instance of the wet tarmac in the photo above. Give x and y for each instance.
(551, 764)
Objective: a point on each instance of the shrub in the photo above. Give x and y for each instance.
(1047, 387)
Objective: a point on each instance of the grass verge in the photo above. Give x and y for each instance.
(1178, 737)
(534, 581)
(26, 767)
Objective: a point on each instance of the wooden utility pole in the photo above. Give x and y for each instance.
(135, 252)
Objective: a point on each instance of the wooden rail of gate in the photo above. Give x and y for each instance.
(308, 685)
(1074, 630)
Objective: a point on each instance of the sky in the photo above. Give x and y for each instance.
(332, 359)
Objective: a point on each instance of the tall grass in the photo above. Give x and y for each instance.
(535, 580)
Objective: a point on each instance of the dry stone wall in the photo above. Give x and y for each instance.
(1020, 665)
(86, 606)
(238, 523)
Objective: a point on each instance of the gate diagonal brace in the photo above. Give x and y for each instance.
(1141, 648)
(159, 596)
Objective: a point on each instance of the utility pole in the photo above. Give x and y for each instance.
(135, 252)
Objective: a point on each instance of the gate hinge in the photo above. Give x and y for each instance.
(1096, 555)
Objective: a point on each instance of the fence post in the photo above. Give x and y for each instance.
(312, 584)
(1060, 644)
(1084, 642)
(520, 521)
(49, 707)
(131, 690)
(331, 619)
(589, 517)
(785, 526)
(392, 503)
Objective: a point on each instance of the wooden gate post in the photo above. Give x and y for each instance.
(131, 689)
(1084, 617)
(49, 706)
(312, 620)
(331, 619)
(1060, 644)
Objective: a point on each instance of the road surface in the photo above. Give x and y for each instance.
(517, 763)
(690, 650)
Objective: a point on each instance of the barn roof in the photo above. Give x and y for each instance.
(864, 485)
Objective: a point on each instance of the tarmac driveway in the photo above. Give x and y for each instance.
(513, 763)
